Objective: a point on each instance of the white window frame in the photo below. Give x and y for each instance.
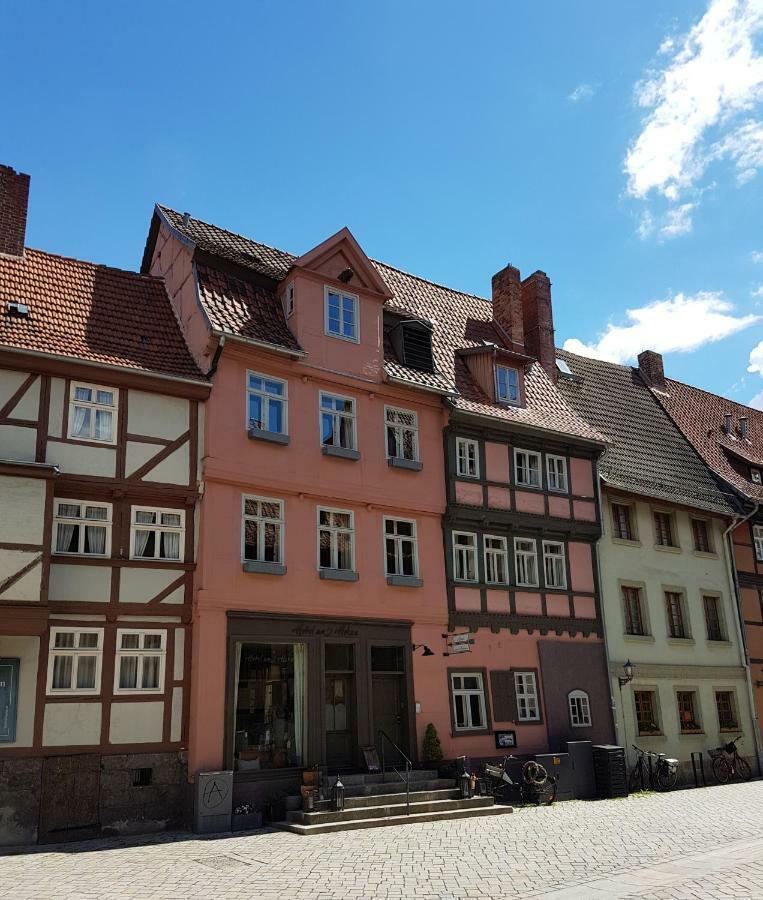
(158, 529)
(468, 692)
(528, 453)
(263, 520)
(467, 550)
(526, 689)
(141, 653)
(399, 430)
(399, 540)
(498, 396)
(283, 399)
(757, 537)
(75, 652)
(334, 531)
(555, 558)
(526, 554)
(94, 406)
(467, 444)
(352, 416)
(83, 523)
(327, 289)
(579, 706)
(556, 473)
(495, 557)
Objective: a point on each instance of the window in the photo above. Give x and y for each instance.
(755, 476)
(266, 403)
(713, 622)
(467, 458)
(464, 556)
(526, 562)
(263, 529)
(554, 564)
(621, 522)
(757, 534)
(701, 536)
(527, 697)
(92, 411)
(157, 533)
(468, 694)
(674, 607)
(580, 709)
(687, 714)
(289, 300)
(400, 552)
(337, 421)
(556, 471)
(663, 529)
(726, 708)
(402, 433)
(82, 528)
(140, 661)
(336, 539)
(496, 560)
(634, 619)
(646, 712)
(74, 661)
(527, 468)
(341, 315)
(506, 384)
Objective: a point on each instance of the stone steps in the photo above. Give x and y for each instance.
(417, 796)
(394, 785)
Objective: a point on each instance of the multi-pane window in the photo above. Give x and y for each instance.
(556, 472)
(713, 618)
(701, 535)
(400, 552)
(507, 384)
(267, 403)
(757, 535)
(157, 533)
(140, 661)
(526, 562)
(464, 556)
(554, 564)
(336, 539)
(92, 413)
(527, 697)
(755, 476)
(402, 433)
(527, 468)
(82, 528)
(622, 528)
(674, 608)
(341, 315)
(663, 529)
(687, 712)
(263, 529)
(467, 458)
(337, 421)
(496, 560)
(468, 692)
(580, 709)
(646, 712)
(634, 617)
(74, 661)
(727, 717)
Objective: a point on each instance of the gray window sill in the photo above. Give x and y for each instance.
(681, 641)
(723, 643)
(338, 575)
(639, 638)
(667, 548)
(405, 581)
(340, 452)
(397, 462)
(626, 542)
(264, 568)
(273, 437)
(705, 554)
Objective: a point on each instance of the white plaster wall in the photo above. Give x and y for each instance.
(142, 585)
(80, 459)
(28, 406)
(174, 469)
(136, 723)
(26, 650)
(27, 588)
(71, 724)
(18, 443)
(176, 726)
(179, 653)
(56, 413)
(10, 381)
(22, 509)
(78, 583)
(157, 415)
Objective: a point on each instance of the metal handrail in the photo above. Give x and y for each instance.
(408, 766)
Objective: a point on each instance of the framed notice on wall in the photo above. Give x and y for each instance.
(371, 756)
(505, 740)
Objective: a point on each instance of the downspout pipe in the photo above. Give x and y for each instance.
(216, 357)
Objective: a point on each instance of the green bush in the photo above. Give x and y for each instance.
(432, 748)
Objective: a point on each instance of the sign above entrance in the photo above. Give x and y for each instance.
(334, 631)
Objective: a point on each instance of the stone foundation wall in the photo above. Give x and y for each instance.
(20, 789)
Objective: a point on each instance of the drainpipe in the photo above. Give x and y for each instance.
(216, 357)
(734, 580)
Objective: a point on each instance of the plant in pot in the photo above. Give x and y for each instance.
(245, 816)
(310, 776)
(432, 751)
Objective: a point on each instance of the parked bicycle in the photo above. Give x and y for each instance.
(535, 786)
(653, 770)
(728, 764)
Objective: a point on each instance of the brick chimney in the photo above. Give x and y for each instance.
(507, 305)
(539, 321)
(14, 195)
(650, 367)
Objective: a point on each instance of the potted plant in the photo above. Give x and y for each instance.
(432, 750)
(310, 776)
(245, 817)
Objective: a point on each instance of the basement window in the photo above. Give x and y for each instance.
(141, 777)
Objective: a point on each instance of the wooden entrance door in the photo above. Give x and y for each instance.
(390, 707)
(340, 719)
(69, 802)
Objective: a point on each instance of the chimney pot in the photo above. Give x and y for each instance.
(14, 198)
(727, 423)
(743, 427)
(651, 367)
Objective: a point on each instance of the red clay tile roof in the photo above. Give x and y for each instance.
(90, 312)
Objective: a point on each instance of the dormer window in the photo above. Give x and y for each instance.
(288, 300)
(341, 315)
(755, 476)
(507, 384)
(412, 342)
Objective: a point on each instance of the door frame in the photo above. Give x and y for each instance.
(412, 749)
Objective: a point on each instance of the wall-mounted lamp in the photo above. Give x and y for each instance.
(345, 276)
(427, 651)
(628, 676)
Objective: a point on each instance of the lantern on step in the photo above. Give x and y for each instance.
(337, 795)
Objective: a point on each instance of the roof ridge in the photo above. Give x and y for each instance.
(693, 387)
(429, 281)
(93, 265)
(597, 359)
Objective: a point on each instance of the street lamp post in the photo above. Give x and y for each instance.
(622, 680)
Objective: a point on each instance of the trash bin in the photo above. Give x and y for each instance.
(213, 802)
(559, 766)
(610, 771)
(583, 777)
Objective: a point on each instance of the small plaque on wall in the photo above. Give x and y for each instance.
(371, 756)
(505, 740)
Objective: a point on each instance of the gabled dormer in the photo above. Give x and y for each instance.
(499, 372)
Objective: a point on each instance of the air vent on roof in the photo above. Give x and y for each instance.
(412, 340)
(18, 309)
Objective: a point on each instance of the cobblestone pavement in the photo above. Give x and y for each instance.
(705, 843)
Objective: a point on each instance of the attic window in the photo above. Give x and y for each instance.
(755, 476)
(507, 384)
(412, 341)
(20, 310)
(289, 300)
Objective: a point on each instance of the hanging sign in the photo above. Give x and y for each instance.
(460, 643)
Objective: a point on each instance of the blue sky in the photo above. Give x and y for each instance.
(616, 146)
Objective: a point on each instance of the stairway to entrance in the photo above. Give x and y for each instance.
(370, 801)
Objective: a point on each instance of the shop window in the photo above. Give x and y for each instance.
(468, 695)
(388, 659)
(580, 709)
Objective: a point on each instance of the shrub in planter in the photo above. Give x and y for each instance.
(432, 751)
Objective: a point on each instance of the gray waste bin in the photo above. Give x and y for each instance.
(213, 802)
(558, 765)
(583, 776)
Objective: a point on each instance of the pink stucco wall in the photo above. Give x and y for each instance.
(581, 477)
(468, 493)
(497, 462)
(559, 507)
(528, 501)
(581, 566)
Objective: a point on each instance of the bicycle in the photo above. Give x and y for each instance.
(728, 764)
(660, 776)
(536, 786)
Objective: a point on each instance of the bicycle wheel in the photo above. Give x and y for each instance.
(743, 769)
(666, 778)
(639, 780)
(721, 770)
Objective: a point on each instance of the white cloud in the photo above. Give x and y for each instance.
(756, 359)
(678, 220)
(582, 92)
(758, 292)
(679, 323)
(756, 256)
(757, 401)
